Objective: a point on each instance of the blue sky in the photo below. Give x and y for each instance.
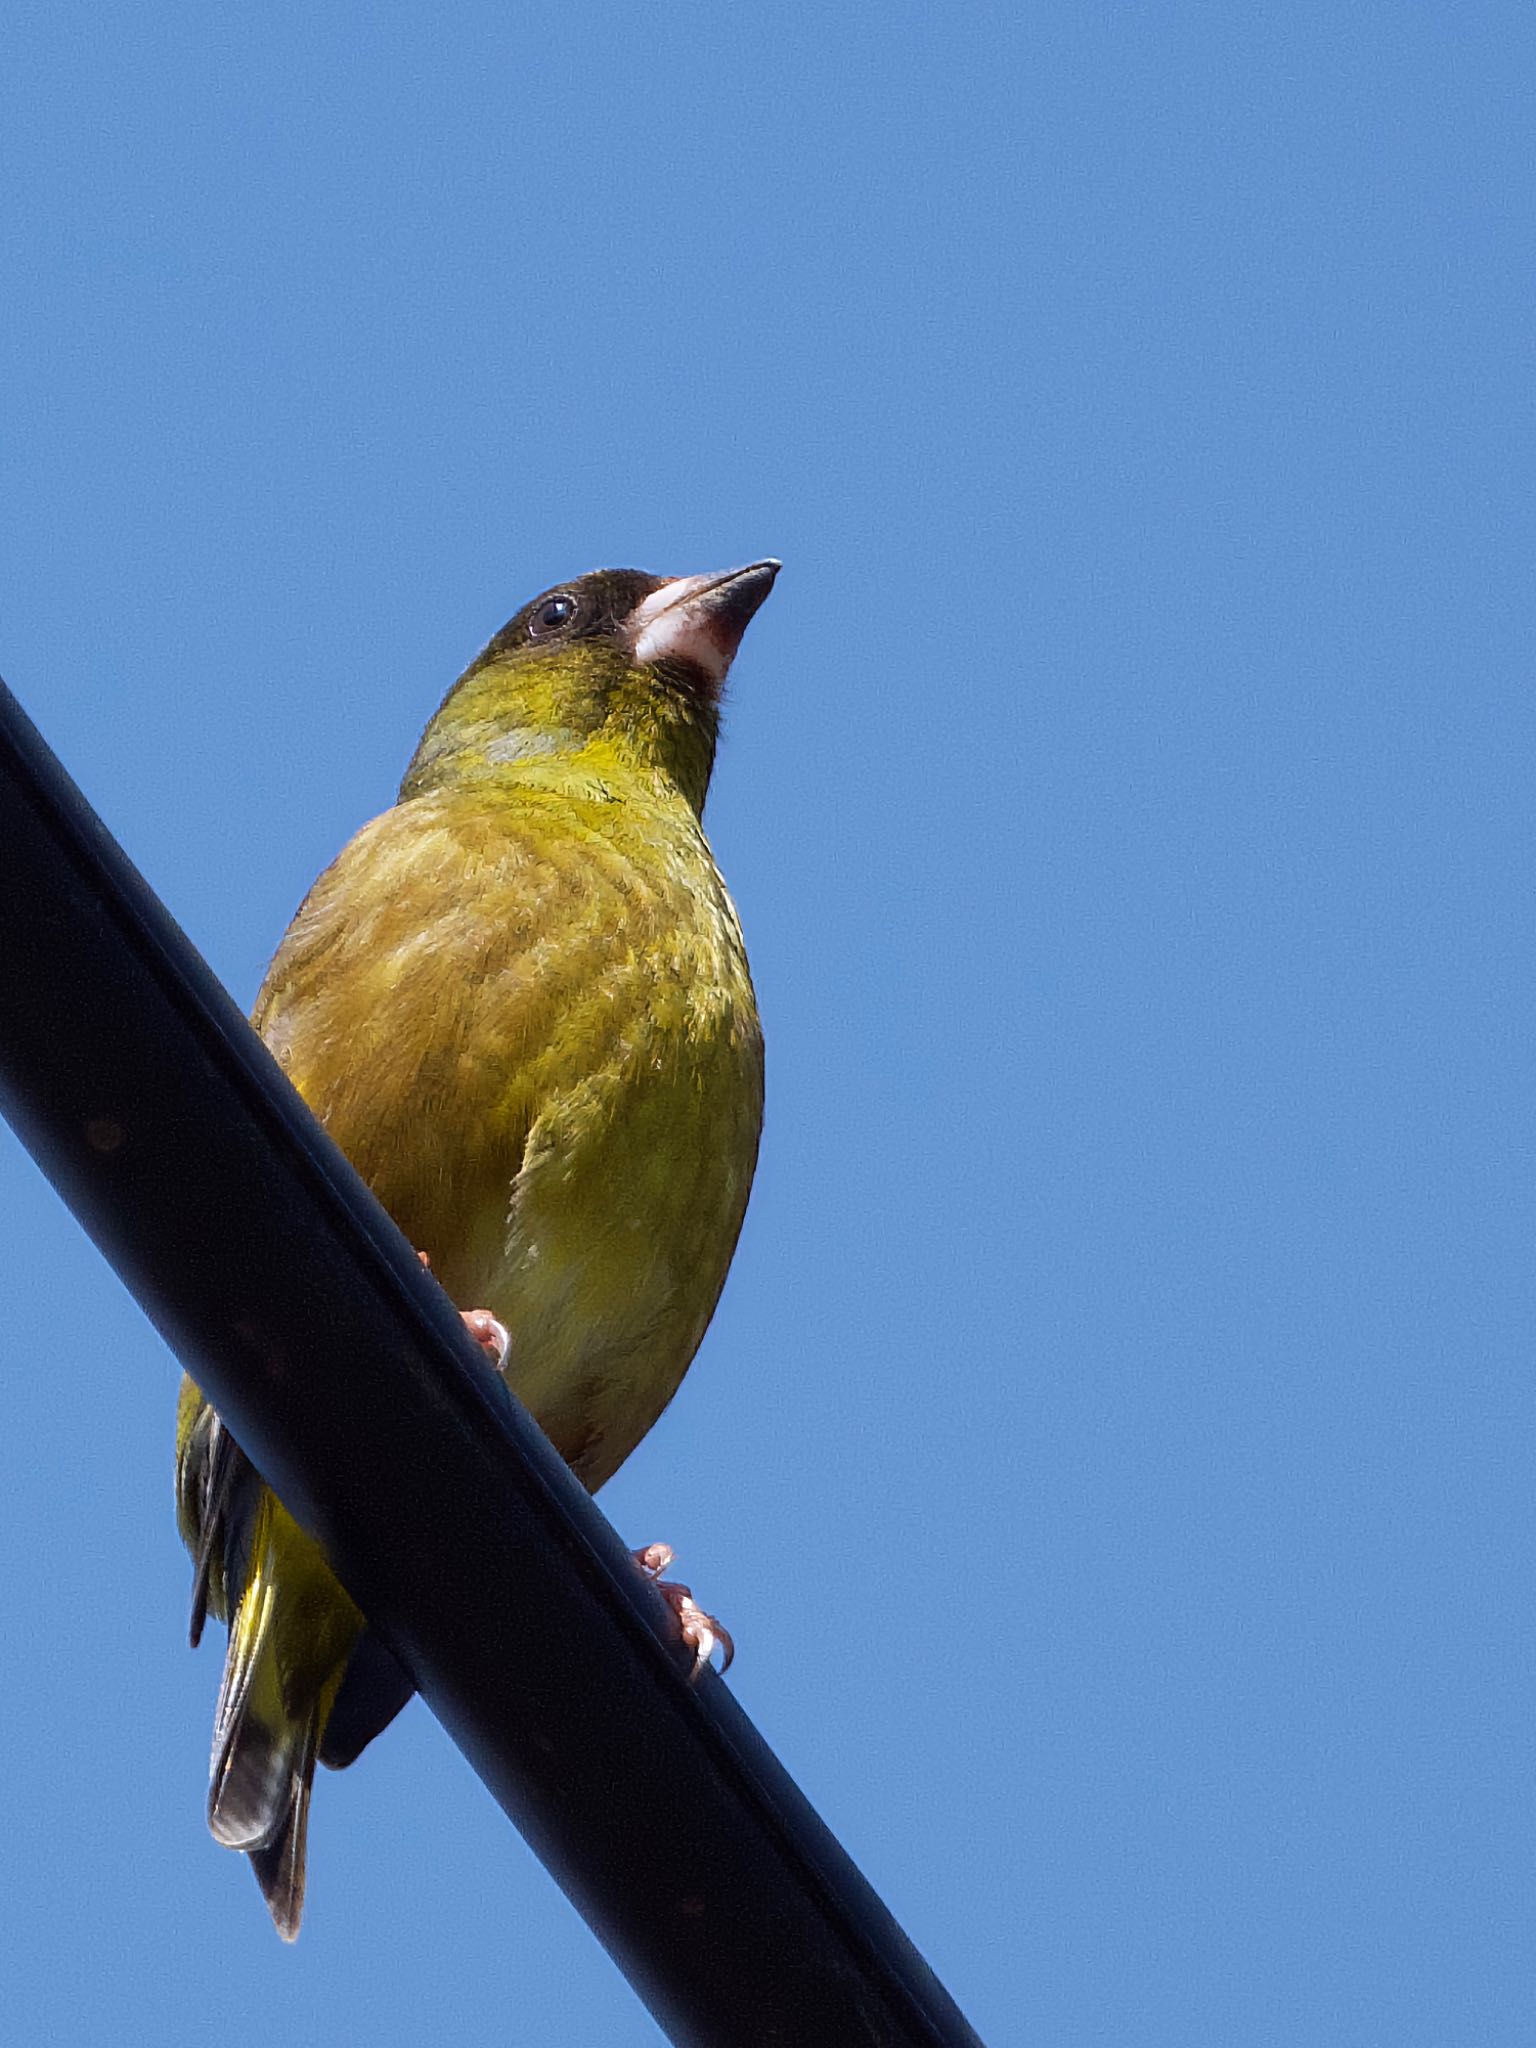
(1113, 1450)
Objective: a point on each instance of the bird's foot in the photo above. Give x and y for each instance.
(492, 1336)
(701, 1632)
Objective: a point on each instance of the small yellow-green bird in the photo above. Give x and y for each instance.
(519, 1002)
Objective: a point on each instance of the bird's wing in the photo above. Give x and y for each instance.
(213, 1480)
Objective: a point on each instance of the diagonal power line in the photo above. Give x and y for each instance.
(344, 1372)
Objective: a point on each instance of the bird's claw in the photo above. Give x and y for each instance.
(492, 1336)
(701, 1632)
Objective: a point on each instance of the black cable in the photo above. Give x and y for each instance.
(344, 1372)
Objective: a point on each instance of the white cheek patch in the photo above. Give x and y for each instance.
(678, 623)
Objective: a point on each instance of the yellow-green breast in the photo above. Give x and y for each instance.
(524, 1013)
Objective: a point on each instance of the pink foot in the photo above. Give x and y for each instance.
(492, 1336)
(701, 1631)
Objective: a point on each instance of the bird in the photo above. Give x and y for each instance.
(519, 1001)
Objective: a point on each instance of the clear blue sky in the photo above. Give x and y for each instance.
(1113, 1452)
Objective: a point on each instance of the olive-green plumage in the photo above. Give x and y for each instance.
(519, 1001)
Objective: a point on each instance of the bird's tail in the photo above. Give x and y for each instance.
(287, 1653)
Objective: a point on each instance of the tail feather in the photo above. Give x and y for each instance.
(255, 1740)
(287, 1653)
(279, 1864)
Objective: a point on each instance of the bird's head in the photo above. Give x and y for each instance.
(615, 664)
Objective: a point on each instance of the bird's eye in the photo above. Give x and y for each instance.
(554, 613)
